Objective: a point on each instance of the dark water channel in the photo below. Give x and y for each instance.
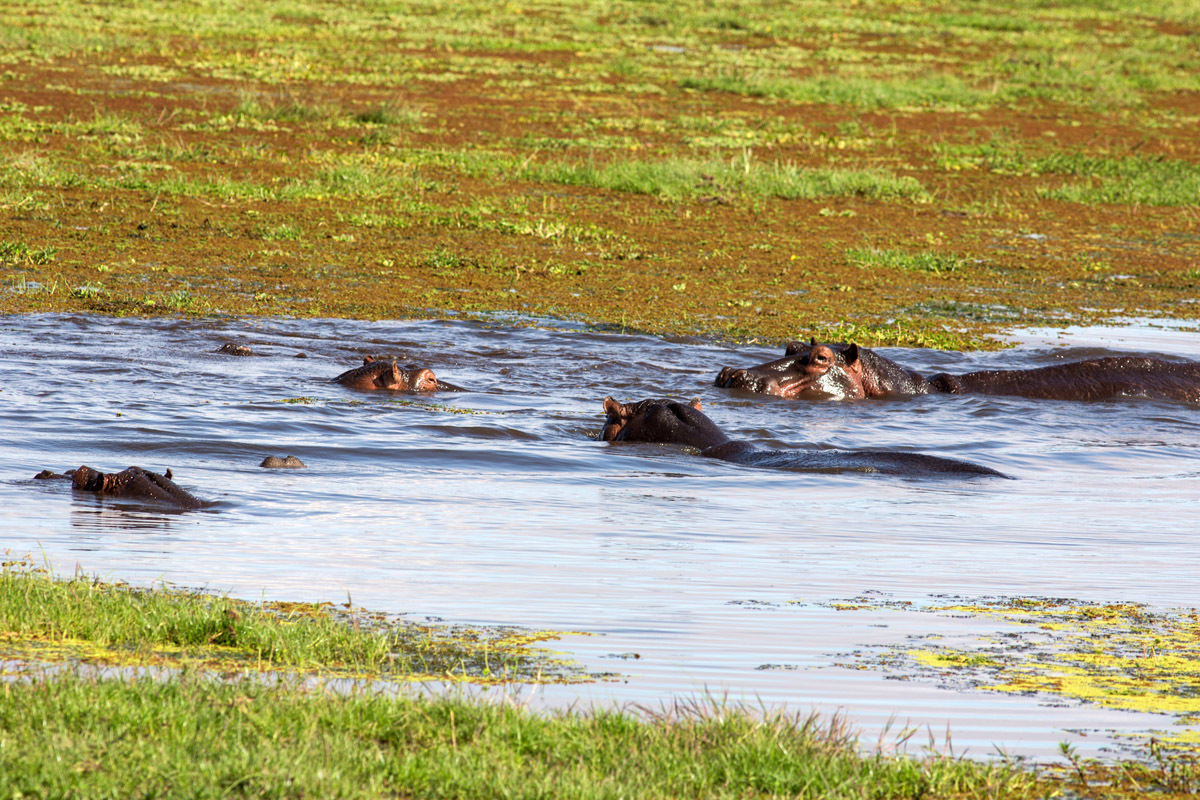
(509, 511)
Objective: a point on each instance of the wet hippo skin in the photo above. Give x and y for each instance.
(132, 482)
(849, 372)
(383, 373)
(388, 375)
(669, 422)
(285, 462)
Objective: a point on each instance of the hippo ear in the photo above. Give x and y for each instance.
(850, 354)
(812, 342)
(367, 360)
(612, 408)
(695, 403)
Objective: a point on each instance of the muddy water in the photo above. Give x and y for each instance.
(499, 506)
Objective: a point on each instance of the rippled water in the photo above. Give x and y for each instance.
(499, 506)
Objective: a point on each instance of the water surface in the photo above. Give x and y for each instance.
(498, 506)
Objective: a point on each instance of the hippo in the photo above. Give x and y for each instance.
(231, 349)
(387, 375)
(384, 373)
(133, 482)
(670, 422)
(286, 462)
(849, 372)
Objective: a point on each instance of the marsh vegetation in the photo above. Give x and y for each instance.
(682, 168)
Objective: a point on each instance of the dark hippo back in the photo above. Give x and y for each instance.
(1094, 379)
(372, 374)
(881, 462)
(668, 422)
(134, 482)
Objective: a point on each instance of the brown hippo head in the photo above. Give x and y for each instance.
(817, 371)
(660, 421)
(379, 374)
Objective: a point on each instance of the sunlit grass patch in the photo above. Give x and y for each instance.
(933, 91)
(47, 620)
(288, 108)
(281, 232)
(390, 114)
(680, 179)
(935, 263)
(1128, 180)
(911, 330)
(16, 253)
(107, 125)
(215, 739)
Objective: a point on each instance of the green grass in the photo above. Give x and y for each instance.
(695, 134)
(203, 721)
(1125, 181)
(193, 736)
(398, 175)
(682, 179)
(1128, 180)
(20, 253)
(810, 51)
(934, 263)
(939, 90)
(43, 619)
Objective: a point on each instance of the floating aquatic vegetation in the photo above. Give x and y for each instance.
(1119, 655)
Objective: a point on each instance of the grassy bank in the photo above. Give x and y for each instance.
(896, 172)
(82, 619)
(197, 737)
(239, 706)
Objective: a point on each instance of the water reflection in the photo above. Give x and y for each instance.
(96, 515)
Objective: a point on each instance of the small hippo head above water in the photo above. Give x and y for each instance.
(818, 371)
(233, 349)
(659, 421)
(388, 375)
(276, 462)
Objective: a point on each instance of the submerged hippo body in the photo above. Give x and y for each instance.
(669, 422)
(131, 482)
(850, 372)
(388, 375)
(1094, 379)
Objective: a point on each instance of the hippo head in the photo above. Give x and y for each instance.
(86, 479)
(659, 421)
(412, 379)
(419, 380)
(816, 371)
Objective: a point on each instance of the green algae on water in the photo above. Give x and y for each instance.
(1118, 655)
